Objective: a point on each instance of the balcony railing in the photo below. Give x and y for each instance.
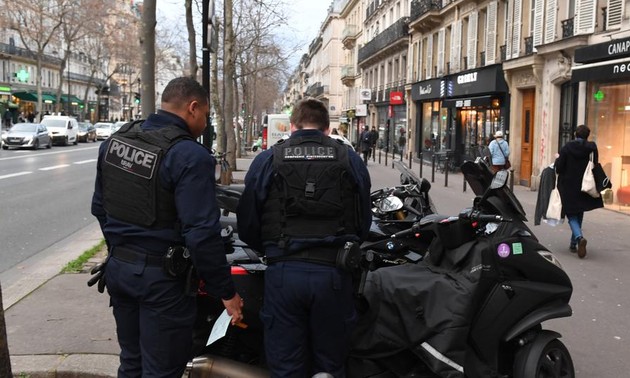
(312, 89)
(371, 8)
(503, 52)
(19, 51)
(350, 31)
(347, 71)
(567, 28)
(529, 45)
(420, 7)
(388, 37)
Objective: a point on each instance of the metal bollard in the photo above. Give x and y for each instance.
(511, 179)
(386, 154)
(446, 170)
(421, 162)
(433, 168)
(379, 156)
(410, 159)
(464, 182)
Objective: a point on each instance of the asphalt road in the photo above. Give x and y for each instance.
(44, 197)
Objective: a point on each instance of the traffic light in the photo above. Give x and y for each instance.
(137, 97)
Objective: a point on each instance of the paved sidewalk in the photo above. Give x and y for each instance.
(59, 327)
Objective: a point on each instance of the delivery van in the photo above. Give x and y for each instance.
(275, 127)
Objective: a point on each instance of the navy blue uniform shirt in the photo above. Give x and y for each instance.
(257, 183)
(188, 170)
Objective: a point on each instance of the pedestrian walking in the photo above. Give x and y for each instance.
(303, 200)
(373, 140)
(499, 152)
(7, 117)
(402, 142)
(154, 199)
(365, 143)
(570, 165)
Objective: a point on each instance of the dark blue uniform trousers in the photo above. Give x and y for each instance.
(309, 316)
(154, 320)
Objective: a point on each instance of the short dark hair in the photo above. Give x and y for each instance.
(181, 90)
(583, 132)
(311, 111)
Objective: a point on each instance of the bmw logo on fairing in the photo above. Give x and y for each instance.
(390, 245)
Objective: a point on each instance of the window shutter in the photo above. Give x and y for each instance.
(509, 14)
(516, 34)
(586, 12)
(472, 40)
(429, 73)
(441, 46)
(419, 60)
(539, 20)
(550, 22)
(615, 14)
(491, 39)
(456, 46)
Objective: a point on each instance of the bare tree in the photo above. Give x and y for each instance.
(148, 56)
(228, 93)
(192, 40)
(37, 23)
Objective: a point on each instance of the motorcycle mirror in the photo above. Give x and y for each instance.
(391, 203)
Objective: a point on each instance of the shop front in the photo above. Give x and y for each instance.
(392, 121)
(431, 117)
(477, 105)
(606, 72)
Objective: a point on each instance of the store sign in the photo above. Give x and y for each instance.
(396, 98)
(361, 110)
(618, 48)
(588, 72)
(485, 80)
(427, 90)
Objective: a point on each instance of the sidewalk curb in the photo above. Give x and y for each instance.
(66, 366)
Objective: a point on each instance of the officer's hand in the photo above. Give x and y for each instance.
(234, 307)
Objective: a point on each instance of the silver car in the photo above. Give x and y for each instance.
(103, 130)
(29, 135)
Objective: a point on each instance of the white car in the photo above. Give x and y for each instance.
(64, 129)
(103, 130)
(341, 138)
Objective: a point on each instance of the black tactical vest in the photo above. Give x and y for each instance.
(312, 193)
(132, 191)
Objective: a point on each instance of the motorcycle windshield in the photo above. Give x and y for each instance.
(479, 176)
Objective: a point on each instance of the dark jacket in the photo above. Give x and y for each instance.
(365, 141)
(570, 166)
(188, 170)
(547, 183)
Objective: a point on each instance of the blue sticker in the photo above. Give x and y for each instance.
(503, 250)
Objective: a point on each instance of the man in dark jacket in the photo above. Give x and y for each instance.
(303, 200)
(365, 143)
(570, 166)
(154, 193)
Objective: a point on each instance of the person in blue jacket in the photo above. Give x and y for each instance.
(499, 151)
(154, 199)
(304, 198)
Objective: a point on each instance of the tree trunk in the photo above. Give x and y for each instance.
(148, 58)
(5, 359)
(216, 99)
(228, 93)
(192, 41)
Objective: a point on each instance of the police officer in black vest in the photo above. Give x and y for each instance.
(155, 201)
(303, 200)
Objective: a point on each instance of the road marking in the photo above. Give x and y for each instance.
(54, 167)
(15, 174)
(84, 161)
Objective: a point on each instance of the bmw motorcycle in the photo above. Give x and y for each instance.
(473, 307)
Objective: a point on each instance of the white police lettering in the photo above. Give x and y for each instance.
(467, 78)
(309, 153)
(618, 47)
(131, 159)
(132, 155)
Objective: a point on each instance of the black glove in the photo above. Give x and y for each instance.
(98, 273)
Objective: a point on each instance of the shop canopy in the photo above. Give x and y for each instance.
(32, 97)
(74, 100)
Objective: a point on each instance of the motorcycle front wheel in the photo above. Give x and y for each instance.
(552, 360)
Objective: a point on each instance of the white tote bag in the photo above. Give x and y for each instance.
(588, 180)
(553, 215)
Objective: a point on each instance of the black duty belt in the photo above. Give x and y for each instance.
(133, 256)
(315, 255)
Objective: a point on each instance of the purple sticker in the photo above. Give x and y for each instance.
(503, 250)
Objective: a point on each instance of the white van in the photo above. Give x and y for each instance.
(63, 129)
(275, 127)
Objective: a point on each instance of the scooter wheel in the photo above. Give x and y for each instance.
(544, 358)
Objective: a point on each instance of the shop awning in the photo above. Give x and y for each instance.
(26, 96)
(48, 98)
(610, 70)
(74, 100)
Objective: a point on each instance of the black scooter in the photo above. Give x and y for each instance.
(474, 307)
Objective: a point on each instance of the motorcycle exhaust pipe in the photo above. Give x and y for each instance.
(208, 366)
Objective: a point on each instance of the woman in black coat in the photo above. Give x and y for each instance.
(570, 166)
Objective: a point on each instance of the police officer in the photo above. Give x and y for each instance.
(303, 199)
(154, 196)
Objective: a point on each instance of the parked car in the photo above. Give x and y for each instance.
(30, 135)
(118, 125)
(87, 132)
(103, 130)
(63, 129)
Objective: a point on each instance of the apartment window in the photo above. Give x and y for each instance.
(398, 10)
(532, 11)
(506, 25)
(571, 8)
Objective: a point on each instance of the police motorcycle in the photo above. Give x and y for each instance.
(474, 307)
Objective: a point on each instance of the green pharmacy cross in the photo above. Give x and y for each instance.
(599, 96)
(22, 75)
